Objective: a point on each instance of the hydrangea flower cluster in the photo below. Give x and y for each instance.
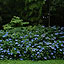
(39, 44)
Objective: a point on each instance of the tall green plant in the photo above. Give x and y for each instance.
(15, 22)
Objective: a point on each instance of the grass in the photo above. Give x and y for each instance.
(31, 62)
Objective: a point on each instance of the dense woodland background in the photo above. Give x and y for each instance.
(33, 11)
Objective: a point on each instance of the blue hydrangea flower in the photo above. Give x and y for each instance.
(14, 48)
(63, 53)
(45, 58)
(54, 57)
(16, 43)
(20, 55)
(16, 40)
(43, 35)
(5, 35)
(47, 38)
(35, 44)
(8, 53)
(11, 53)
(52, 53)
(32, 46)
(56, 33)
(25, 52)
(2, 56)
(39, 46)
(33, 49)
(10, 39)
(36, 35)
(38, 56)
(32, 40)
(62, 45)
(21, 37)
(0, 40)
(37, 49)
(21, 58)
(40, 50)
(27, 46)
(36, 38)
(7, 40)
(1, 48)
(18, 51)
(60, 50)
(4, 50)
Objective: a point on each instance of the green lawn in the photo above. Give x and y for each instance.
(31, 62)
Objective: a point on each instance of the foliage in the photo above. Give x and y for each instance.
(15, 22)
(28, 10)
(31, 62)
(41, 43)
(33, 11)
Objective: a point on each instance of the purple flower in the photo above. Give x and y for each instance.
(62, 45)
(55, 41)
(33, 49)
(10, 39)
(47, 38)
(56, 33)
(0, 40)
(60, 49)
(2, 56)
(45, 58)
(43, 35)
(1, 48)
(16, 43)
(51, 53)
(62, 28)
(54, 57)
(60, 41)
(27, 46)
(20, 55)
(35, 38)
(35, 44)
(9, 53)
(40, 50)
(36, 35)
(37, 49)
(39, 46)
(21, 58)
(14, 48)
(4, 50)
(32, 46)
(25, 52)
(7, 40)
(54, 51)
(32, 40)
(16, 40)
(21, 37)
(4, 35)
(63, 53)
(18, 51)
(38, 56)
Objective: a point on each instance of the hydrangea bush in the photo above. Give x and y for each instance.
(41, 43)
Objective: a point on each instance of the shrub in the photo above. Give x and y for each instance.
(15, 22)
(38, 44)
